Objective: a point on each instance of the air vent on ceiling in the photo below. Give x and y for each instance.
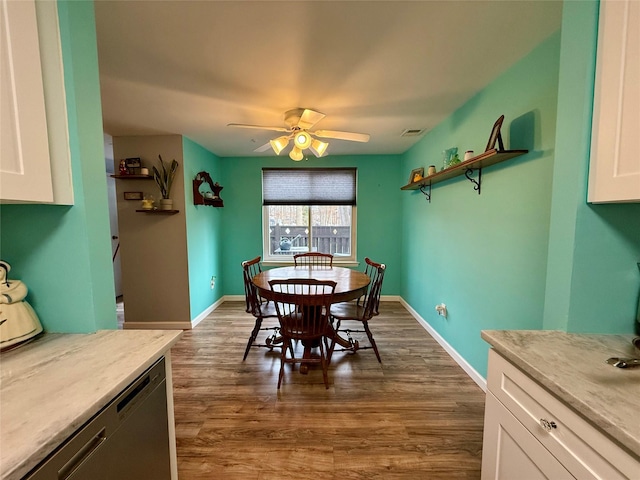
(412, 132)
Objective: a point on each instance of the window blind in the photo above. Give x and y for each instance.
(309, 186)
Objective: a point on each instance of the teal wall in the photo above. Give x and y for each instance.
(378, 212)
(62, 253)
(204, 230)
(592, 280)
(485, 256)
(528, 253)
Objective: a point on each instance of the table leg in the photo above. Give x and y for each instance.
(308, 345)
(343, 342)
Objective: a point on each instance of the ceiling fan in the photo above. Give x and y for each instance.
(299, 122)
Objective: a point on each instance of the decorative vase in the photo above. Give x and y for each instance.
(166, 204)
(449, 157)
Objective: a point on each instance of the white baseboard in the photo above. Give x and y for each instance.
(174, 325)
(459, 359)
(206, 312)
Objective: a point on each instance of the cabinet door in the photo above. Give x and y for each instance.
(614, 174)
(510, 451)
(25, 168)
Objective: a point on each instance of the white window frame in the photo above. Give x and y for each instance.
(280, 259)
(269, 259)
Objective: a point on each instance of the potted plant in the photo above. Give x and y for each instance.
(164, 179)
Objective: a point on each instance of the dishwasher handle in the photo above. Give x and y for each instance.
(82, 455)
(137, 394)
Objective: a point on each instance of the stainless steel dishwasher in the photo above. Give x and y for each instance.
(127, 440)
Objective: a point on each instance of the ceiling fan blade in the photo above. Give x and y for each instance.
(354, 137)
(263, 148)
(260, 127)
(309, 118)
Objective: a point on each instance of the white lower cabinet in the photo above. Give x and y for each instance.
(511, 451)
(530, 434)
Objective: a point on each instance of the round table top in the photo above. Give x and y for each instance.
(351, 284)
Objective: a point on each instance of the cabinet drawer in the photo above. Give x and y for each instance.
(510, 451)
(583, 450)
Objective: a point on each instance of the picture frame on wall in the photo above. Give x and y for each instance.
(133, 162)
(416, 174)
(133, 195)
(495, 136)
(133, 165)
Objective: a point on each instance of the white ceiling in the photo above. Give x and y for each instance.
(379, 67)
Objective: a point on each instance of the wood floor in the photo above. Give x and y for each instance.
(415, 416)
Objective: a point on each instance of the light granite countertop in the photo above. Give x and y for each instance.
(572, 367)
(53, 385)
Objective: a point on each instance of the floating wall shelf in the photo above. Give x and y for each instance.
(159, 212)
(466, 168)
(133, 177)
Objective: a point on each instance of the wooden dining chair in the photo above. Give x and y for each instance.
(362, 310)
(303, 311)
(258, 307)
(314, 259)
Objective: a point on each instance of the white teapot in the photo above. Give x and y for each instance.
(18, 321)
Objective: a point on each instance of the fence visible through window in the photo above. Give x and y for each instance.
(291, 239)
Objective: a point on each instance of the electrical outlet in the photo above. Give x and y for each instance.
(442, 310)
(213, 282)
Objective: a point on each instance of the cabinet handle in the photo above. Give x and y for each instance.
(547, 425)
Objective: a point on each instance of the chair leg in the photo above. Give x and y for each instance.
(286, 342)
(327, 346)
(330, 349)
(323, 362)
(252, 338)
(371, 340)
(333, 341)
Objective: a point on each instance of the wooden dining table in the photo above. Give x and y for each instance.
(350, 284)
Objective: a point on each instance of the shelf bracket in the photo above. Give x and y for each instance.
(426, 189)
(476, 183)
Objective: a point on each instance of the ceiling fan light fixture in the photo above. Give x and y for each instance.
(300, 122)
(296, 154)
(279, 144)
(318, 147)
(302, 140)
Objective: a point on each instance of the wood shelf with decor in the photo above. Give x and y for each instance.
(132, 177)
(199, 198)
(159, 212)
(466, 168)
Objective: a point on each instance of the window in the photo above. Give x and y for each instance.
(308, 210)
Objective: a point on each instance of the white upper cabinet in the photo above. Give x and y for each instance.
(35, 162)
(614, 174)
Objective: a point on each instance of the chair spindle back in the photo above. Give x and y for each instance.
(372, 300)
(314, 259)
(250, 269)
(303, 306)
